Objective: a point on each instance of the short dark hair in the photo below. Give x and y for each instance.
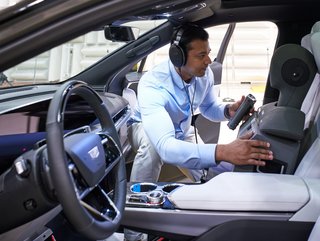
(190, 32)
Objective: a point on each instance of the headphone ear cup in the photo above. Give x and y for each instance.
(177, 55)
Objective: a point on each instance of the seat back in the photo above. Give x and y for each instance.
(308, 97)
(309, 165)
(292, 71)
(311, 103)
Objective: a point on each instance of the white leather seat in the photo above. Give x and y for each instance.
(309, 165)
(311, 103)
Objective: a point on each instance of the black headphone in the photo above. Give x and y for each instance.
(177, 55)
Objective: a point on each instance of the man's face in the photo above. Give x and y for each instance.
(198, 58)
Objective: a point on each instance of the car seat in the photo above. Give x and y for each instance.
(255, 202)
(292, 71)
(311, 103)
(310, 165)
(310, 152)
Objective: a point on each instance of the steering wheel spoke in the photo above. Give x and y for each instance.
(80, 186)
(113, 153)
(100, 205)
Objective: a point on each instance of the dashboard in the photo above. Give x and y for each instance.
(23, 119)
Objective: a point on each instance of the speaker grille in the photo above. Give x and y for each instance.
(295, 72)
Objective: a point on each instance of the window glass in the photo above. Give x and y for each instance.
(247, 60)
(246, 64)
(68, 59)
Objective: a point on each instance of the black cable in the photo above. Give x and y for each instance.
(191, 103)
(203, 177)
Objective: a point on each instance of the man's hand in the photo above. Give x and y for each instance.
(245, 152)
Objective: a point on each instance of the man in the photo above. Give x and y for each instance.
(168, 95)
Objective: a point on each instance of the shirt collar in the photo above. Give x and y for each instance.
(176, 78)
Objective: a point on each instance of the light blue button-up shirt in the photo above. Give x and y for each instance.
(163, 106)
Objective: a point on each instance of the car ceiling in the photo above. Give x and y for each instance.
(64, 20)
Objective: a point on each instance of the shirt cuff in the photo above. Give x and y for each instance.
(207, 155)
(226, 112)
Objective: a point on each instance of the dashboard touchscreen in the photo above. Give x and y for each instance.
(22, 128)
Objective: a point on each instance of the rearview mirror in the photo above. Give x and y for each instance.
(121, 33)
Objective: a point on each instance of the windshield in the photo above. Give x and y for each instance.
(64, 61)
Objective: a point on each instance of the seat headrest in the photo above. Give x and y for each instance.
(306, 40)
(292, 71)
(316, 27)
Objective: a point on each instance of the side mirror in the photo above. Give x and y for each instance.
(121, 33)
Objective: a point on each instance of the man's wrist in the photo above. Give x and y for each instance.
(226, 112)
(219, 155)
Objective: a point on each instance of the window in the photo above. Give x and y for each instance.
(247, 61)
(69, 59)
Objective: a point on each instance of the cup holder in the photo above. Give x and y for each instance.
(155, 197)
(170, 187)
(143, 187)
(145, 194)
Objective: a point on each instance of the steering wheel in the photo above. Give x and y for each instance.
(87, 167)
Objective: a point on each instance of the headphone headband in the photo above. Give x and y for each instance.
(178, 36)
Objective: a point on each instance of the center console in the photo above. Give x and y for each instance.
(183, 210)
